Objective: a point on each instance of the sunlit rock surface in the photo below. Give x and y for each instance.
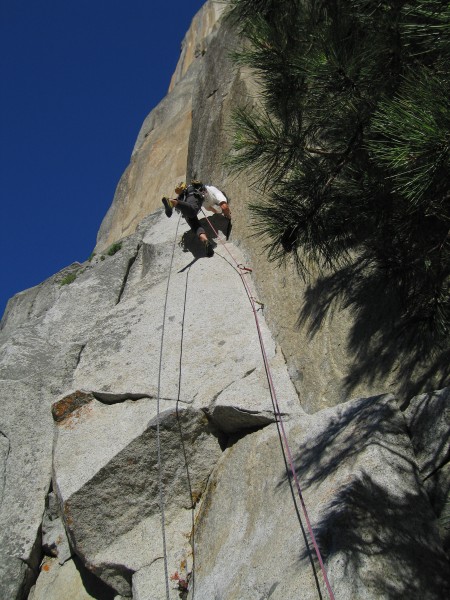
(81, 367)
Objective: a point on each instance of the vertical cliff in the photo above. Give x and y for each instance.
(160, 154)
(123, 391)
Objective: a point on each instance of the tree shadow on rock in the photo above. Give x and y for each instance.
(428, 421)
(354, 427)
(383, 543)
(382, 337)
(377, 530)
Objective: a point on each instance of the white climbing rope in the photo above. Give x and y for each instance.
(158, 432)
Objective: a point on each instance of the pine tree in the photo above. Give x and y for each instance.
(350, 141)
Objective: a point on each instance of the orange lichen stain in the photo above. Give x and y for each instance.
(182, 583)
(46, 567)
(63, 409)
(78, 416)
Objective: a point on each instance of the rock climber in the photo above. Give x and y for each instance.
(189, 201)
(216, 201)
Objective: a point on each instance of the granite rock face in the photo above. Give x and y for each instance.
(105, 453)
(102, 333)
(69, 580)
(370, 514)
(98, 358)
(232, 527)
(43, 333)
(119, 493)
(336, 345)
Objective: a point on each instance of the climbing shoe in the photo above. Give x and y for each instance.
(209, 249)
(167, 207)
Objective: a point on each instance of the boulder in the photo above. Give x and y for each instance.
(106, 477)
(67, 581)
(370, 515)
(16, 576)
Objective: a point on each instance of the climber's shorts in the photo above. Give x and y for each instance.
(189, 209)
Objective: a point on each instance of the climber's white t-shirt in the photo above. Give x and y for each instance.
(213, 197)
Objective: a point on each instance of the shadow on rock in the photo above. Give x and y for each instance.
(353, 428)
(94, 586)
(218, 221)
(190, 243)
(365, 523)
(383, 337)
(376, 529)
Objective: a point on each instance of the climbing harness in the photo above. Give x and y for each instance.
(243, 270)
(196, 189)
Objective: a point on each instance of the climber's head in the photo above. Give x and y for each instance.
(180, 187)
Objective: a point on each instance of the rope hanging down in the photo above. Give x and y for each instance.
(242, 270)
(186, 463)
(158, 432)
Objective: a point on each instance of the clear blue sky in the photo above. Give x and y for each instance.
(77, 79)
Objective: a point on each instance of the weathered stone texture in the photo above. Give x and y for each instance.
(195, 42)
(88, 354)
(64, 582)
(105, 465)
(319, 364)
(428, 418)
(122, 496)
(41, 343)
(54, 537)
(369, 513)
(154, 169)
